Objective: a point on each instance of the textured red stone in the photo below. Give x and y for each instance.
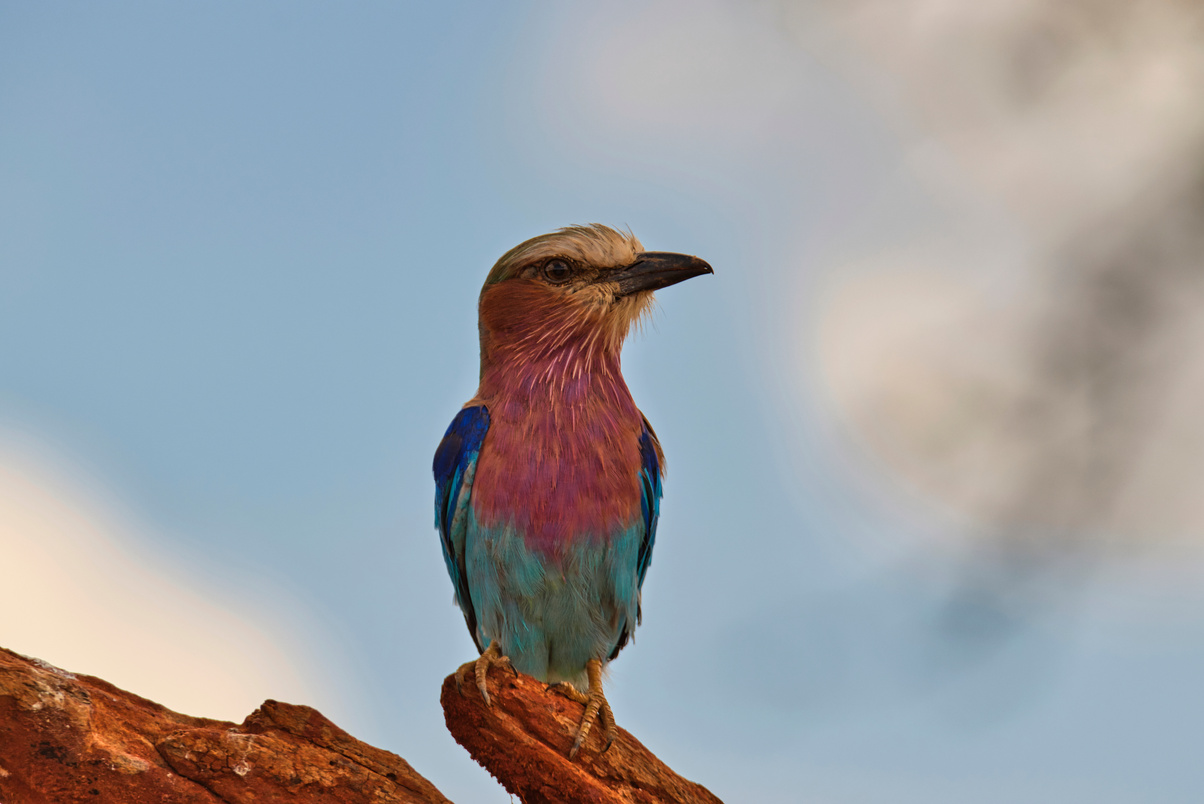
(523, 739)
(67, 739)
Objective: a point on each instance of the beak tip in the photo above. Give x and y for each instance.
(654, 270)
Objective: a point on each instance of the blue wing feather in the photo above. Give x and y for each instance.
(650, 500)
(651, 459)
(454, 466)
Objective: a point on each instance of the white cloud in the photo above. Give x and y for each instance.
(78, 589)
(1063, 110)
(1070, 402)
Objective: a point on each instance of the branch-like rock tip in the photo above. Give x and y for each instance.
(523, 739)
(67, 739)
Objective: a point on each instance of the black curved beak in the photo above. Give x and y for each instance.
(653, 270)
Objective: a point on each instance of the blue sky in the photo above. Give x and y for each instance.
(240, 250)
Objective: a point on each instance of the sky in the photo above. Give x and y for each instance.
(931, 527)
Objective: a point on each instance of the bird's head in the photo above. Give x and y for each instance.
(579, 288)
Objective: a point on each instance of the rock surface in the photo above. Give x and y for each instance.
(66, 739)
(523, 739)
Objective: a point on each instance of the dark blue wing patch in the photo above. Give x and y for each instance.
(455, 462)
(650, 499)
(651, 459)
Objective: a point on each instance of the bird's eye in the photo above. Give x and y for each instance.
(557, 271)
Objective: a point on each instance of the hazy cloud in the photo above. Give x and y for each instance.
(79, 589)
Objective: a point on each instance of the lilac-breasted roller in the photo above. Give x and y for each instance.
(548, 481)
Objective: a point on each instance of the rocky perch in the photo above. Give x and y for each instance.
(66, 739)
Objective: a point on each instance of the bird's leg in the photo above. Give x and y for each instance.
(608, 719)
(595, 706)
(480, 668)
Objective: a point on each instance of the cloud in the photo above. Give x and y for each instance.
(1046, 370)
(80, 589)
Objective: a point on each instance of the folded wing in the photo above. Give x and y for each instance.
(454, 466)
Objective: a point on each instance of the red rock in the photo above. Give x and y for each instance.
(67, 739)
(523, 739)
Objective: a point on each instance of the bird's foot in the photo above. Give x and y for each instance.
(479, 668)
(596, 707)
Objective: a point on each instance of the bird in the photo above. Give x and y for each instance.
(548, 481)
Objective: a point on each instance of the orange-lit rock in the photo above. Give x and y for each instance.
(524, 738)
(66, 739)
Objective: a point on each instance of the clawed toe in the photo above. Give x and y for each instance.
(568, 691)
(462, 671)
(609, 729)
(479, 669)
(596, 707)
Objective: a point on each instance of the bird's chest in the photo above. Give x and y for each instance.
(559, 475)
